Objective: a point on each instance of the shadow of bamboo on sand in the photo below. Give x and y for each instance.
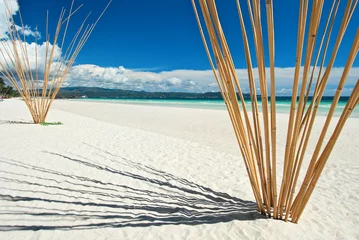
(35, 198)
(2, 122)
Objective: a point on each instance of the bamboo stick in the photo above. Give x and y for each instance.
(314, 25)
(270, 24)
(260, 159)
(229, 104)
(352, 102)
(317, 97)
(254, 103)
(301, 26)
(350, 61)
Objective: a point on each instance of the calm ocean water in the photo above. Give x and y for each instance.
(283, 105)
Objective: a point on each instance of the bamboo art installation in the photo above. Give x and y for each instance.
(21, 67)
(260, 156)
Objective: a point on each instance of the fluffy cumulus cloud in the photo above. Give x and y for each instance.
(95, 76)
(11, 7)
(26, 30)
(32, 54)
(185, 80)
(35, 60)
(36, 53)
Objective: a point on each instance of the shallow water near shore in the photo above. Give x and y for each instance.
(282, 104)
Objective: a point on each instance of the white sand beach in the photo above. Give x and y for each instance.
(115, 171)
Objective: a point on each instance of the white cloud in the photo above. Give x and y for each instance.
(214, 84)
(31, 49)
(185, 80)
(26, 30)
(174, 81)
(177, 80)
(12, 7)
(35, 52)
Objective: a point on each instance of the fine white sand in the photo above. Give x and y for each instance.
(114, 171)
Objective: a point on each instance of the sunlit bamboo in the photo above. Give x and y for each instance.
(261, 157)
(25, 76)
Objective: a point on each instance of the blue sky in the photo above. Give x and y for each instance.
(161, 37)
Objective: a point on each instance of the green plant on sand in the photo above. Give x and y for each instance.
(260, 156)
(50, 123)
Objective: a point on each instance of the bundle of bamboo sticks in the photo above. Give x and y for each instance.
(259, 149)
(39, 87)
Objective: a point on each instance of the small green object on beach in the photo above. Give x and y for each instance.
(50, 123)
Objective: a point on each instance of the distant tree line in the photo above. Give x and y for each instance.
(7, 91)
(95, 92)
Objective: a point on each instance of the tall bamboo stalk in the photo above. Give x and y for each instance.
(260, 158)
(25, 76)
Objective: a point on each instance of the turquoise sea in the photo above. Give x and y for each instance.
(283, 104)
